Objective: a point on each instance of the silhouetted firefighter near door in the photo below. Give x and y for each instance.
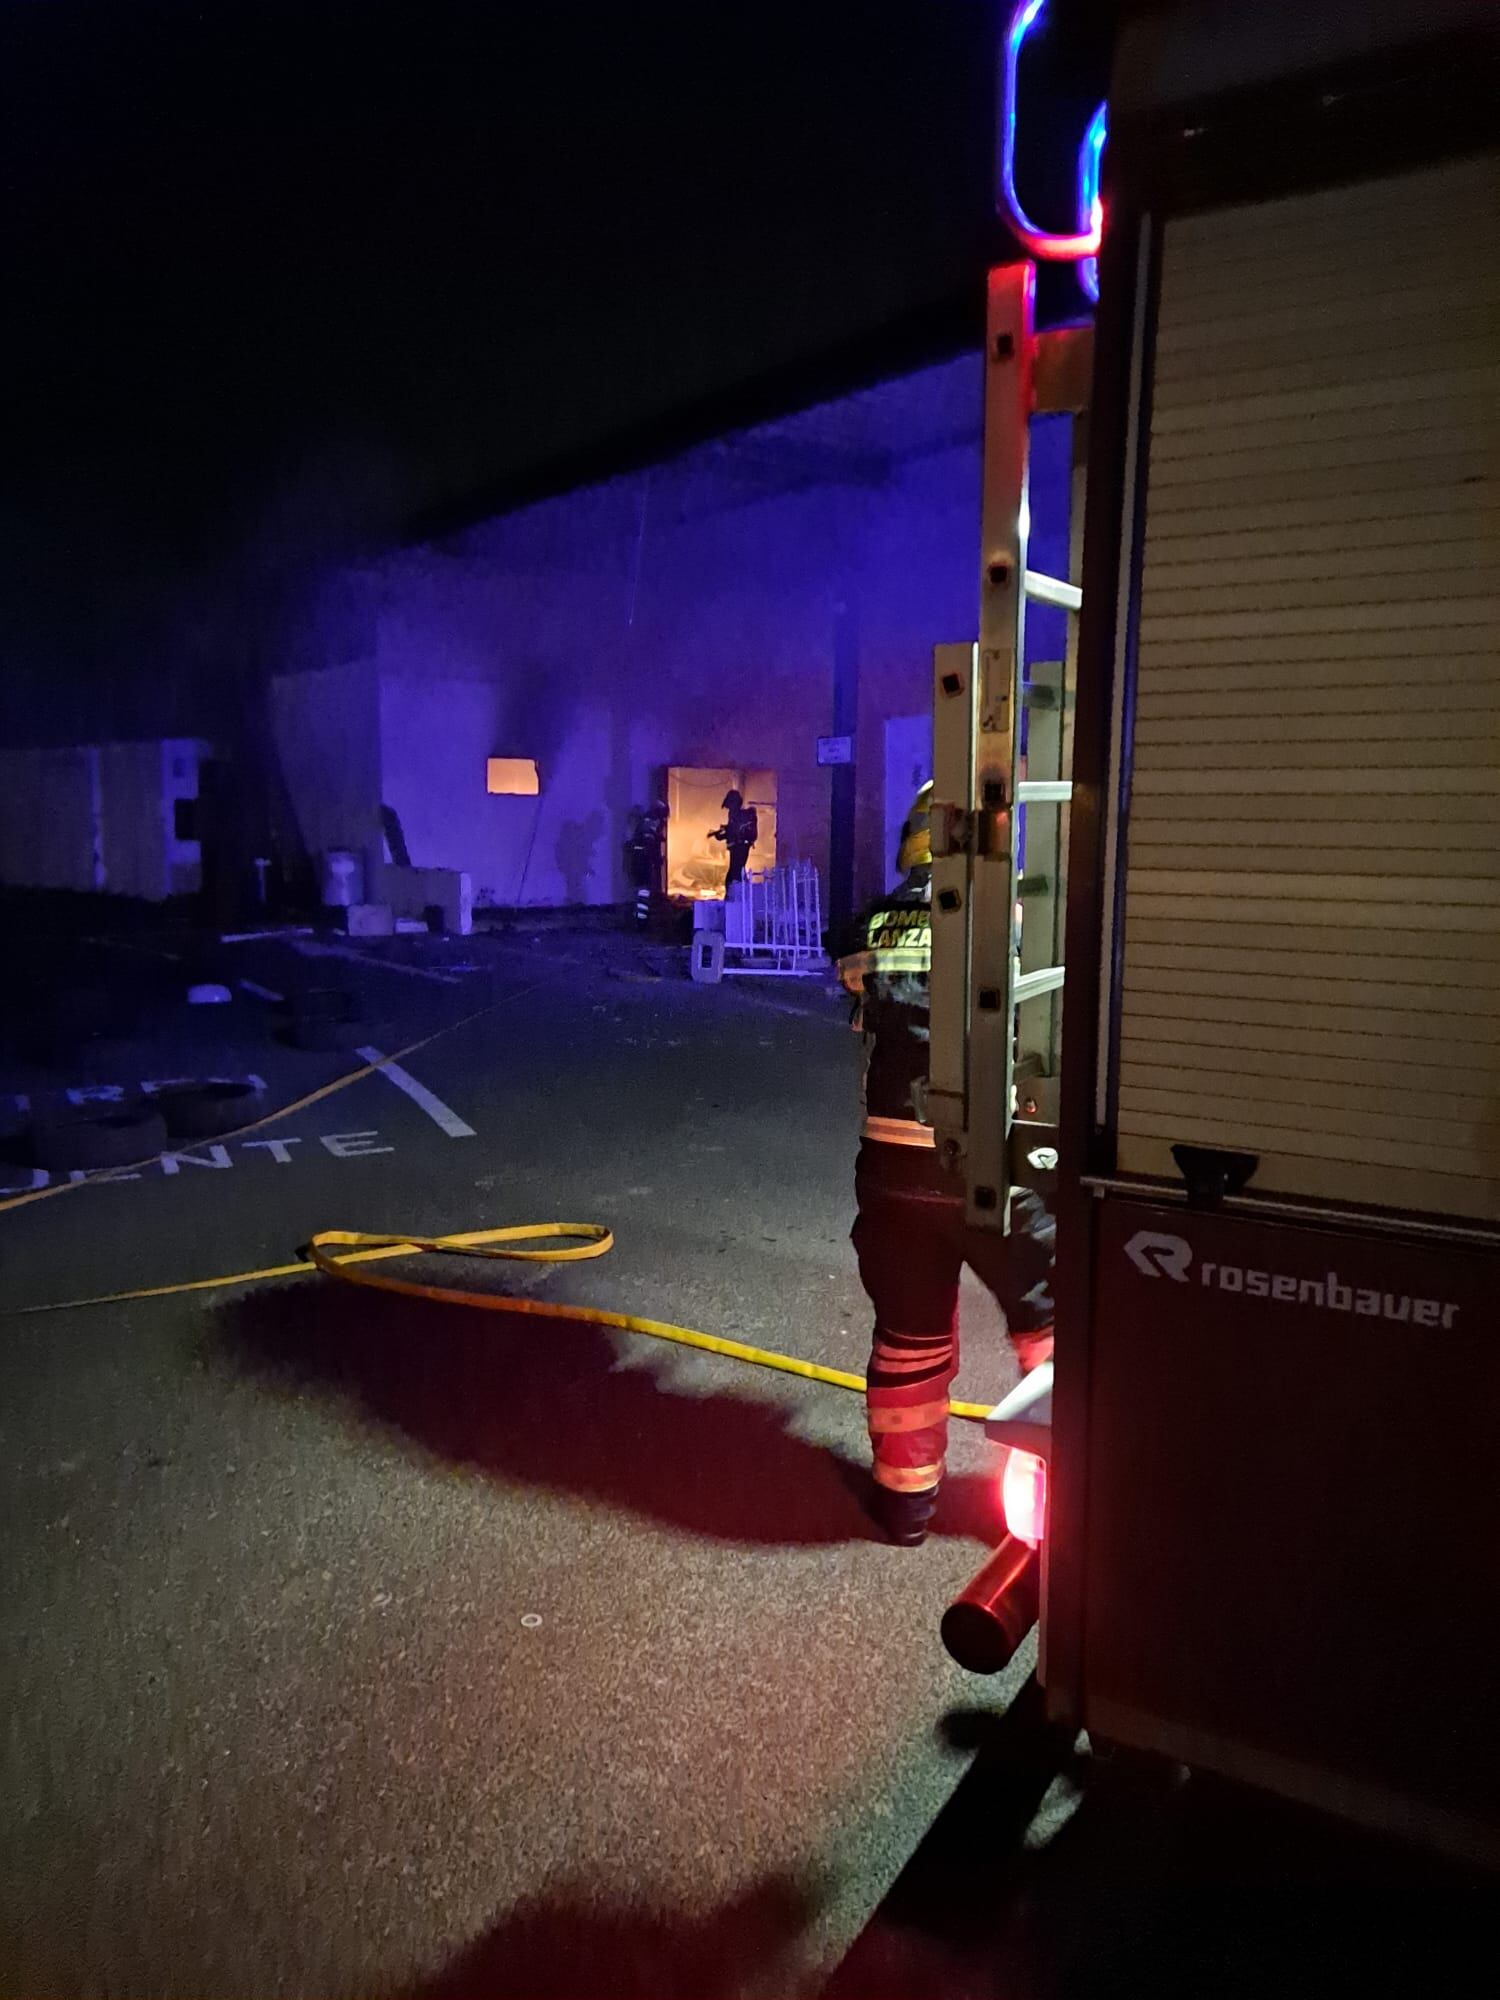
(646, 856)
(911, 1236)
(739, 833)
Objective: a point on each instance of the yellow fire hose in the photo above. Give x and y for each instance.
(347, 1254)
(355, 1250)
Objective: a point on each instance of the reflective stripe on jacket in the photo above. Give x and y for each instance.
(888, 971)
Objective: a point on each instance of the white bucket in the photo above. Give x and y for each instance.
(343, 878)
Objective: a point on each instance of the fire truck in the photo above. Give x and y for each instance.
(1216, 910)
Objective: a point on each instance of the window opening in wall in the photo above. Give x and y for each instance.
(512, 777)
(696, 864)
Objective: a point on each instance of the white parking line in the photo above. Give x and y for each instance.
(436, 1110)
(262, 992)
(311, 950)
(251, 937)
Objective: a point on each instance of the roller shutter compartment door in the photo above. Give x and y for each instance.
(1311, 964)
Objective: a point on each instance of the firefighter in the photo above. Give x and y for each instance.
(646, 856)
(739, 833)
(910, 1235)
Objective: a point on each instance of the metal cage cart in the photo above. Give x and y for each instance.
(773, 923)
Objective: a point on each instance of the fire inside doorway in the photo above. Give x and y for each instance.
(697, 865)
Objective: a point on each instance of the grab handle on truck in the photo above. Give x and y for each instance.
(1212, 1174)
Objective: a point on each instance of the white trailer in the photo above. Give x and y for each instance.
(112, 818)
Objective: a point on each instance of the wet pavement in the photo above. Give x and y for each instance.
(348, 1632)
(362, 1645)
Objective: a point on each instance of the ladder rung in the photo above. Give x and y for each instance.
(1052, 590)
(1027, 985)
(1044, 791)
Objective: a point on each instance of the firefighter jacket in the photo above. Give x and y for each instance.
(887, 969)
(741, 829)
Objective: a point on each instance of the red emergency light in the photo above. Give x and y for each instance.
(1023, 1496)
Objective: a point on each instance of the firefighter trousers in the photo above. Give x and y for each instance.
(912, 1245)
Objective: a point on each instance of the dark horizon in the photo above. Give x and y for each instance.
(289, 280)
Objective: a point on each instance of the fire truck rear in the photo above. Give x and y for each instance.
(1254, 810)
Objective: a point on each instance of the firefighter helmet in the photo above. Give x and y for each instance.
(916, 834)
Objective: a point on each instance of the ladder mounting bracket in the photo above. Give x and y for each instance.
(983, 832)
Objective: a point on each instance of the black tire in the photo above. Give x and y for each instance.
(117, 1138)
(329, 1019)
(327, 1037)
(61, 1026)
(204, 1110)
(325, 1003)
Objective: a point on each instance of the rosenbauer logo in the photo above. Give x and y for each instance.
(1158, 1256)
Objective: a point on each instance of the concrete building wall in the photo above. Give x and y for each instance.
(325, 726)
(708, 642)
(518, 644)
(436, 735)
(737, 618)
(682, 616)
(920, 589)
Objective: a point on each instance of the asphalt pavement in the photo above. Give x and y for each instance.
(358, 1645)
(349, 1636)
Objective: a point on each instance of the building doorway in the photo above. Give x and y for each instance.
(696, 865)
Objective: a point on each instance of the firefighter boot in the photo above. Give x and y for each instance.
(1032, 1349)
(903, 1518)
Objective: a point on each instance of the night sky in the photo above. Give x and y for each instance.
(284, 281)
